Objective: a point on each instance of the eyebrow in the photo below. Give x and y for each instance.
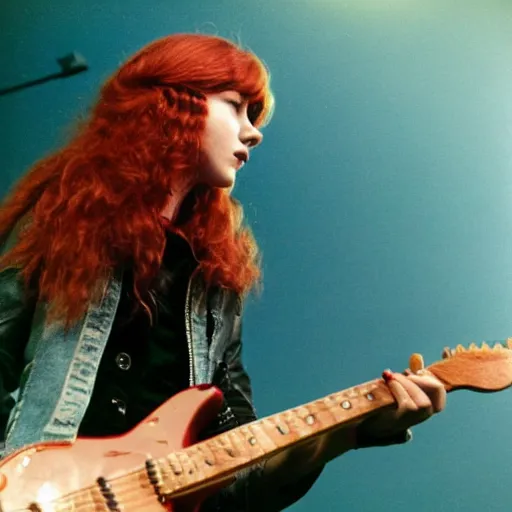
(234, 91)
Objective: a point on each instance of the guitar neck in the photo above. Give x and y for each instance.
(224, 455)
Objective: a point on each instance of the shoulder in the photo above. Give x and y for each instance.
(233, 301)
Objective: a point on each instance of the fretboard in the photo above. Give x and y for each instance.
(224, 455)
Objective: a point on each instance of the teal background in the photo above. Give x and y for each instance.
(380, 197)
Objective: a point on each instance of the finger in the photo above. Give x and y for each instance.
(426, 380)
(403, 399)
(423, 371)
(433, 388)
(417, 395)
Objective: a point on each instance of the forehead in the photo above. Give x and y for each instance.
(231, 92)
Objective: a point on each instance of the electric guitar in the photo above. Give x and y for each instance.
(159, 465)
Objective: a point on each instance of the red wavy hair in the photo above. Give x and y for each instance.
(94, 205)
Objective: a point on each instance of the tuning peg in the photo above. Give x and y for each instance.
(447, 352)
(416, 363)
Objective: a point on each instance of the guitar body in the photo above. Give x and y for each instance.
(45, 475)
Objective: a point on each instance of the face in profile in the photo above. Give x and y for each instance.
(227, 138)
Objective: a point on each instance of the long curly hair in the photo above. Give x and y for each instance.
(94, 205)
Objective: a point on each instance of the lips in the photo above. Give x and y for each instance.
(242, 155)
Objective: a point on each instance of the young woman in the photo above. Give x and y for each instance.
(126, 262)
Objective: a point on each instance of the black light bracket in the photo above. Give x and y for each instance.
(70, 64)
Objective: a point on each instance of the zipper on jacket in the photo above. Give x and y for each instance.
(188, 331)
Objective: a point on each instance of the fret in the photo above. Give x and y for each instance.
(187, 463)
(209, 457)
(175, 467)
(233, 445)
(201, 470)
(291, 419)
(221, 448)
(262, 438)
(278, 430)
(250, 444)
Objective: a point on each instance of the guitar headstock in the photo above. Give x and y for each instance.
(479, 368)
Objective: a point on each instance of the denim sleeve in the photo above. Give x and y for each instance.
(16, 312)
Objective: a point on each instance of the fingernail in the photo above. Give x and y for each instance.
(387, 375)
(204, 387)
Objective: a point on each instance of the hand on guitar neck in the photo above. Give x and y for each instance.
(418, 395)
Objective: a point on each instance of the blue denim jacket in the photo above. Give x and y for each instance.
(65, 364)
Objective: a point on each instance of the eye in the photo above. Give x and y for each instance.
(236, 104)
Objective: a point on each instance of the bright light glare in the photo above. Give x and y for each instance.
(46, 494)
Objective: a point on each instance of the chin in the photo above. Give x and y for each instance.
(227, 186)
(220, 177)
(227, 180)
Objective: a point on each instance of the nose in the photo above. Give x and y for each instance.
(251, 136)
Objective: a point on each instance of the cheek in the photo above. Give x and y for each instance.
(220, 135)
(223, 127)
